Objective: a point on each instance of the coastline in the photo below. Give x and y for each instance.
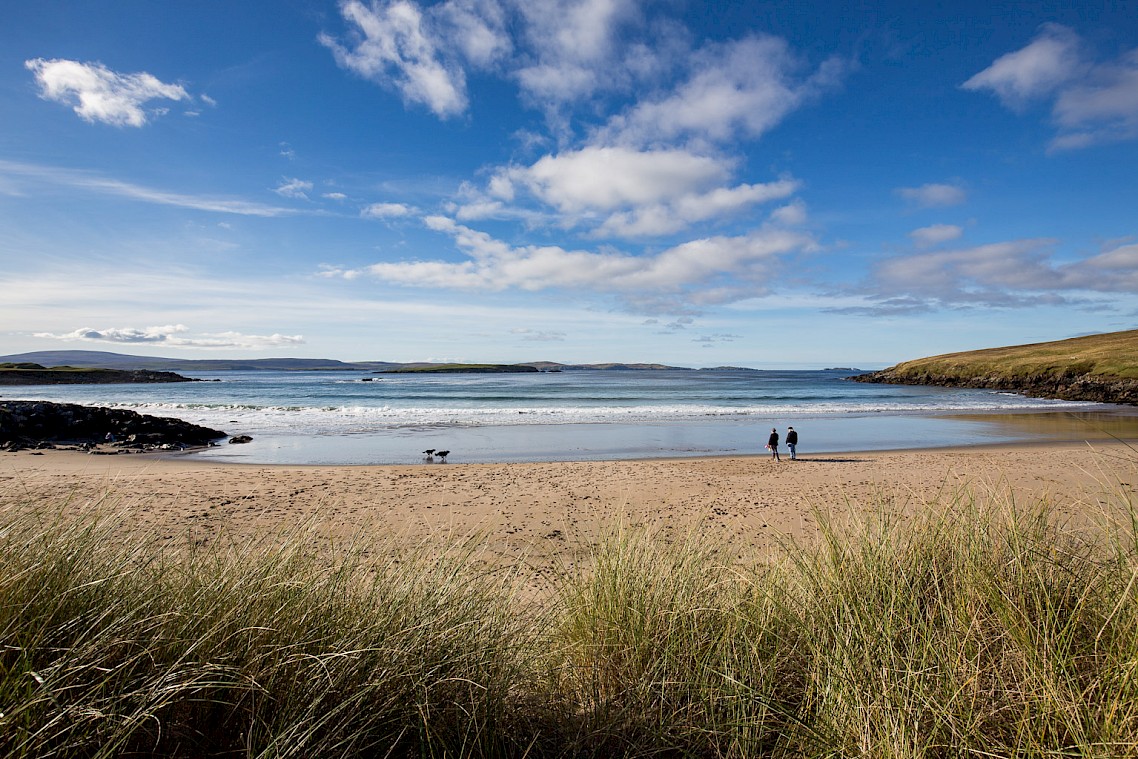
(707, 438)
(546, 515)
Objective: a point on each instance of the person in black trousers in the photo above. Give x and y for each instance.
(772, 443)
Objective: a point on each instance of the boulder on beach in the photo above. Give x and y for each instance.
(43, 424)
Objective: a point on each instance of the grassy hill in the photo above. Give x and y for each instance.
(1095, 367)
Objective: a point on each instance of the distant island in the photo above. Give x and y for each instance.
(1101, 368)
(463, 369)
(27, 373)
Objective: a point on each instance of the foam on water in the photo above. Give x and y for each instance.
(327, 420)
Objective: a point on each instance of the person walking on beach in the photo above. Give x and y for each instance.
(792, 442)
(772, 443)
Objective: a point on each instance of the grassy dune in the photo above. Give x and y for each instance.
(978, 630)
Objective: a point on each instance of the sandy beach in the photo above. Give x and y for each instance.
(546, 514)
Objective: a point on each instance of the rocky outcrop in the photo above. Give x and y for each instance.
(42, 424)
(34, 374)
(1065, 385)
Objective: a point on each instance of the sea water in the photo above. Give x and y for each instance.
(360, 417)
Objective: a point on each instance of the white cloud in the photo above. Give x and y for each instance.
(562, 53)
(387, 211)
(934, 195)
(1032, 72)
(1020, 264)
(1114, 270)
(124, 335)
(478, 28)
(1103, 107)
(741, 88)
(293, 188)
(334, 196)
(619, 191)
(703, 271)
(98, 94)
(606, 179)
(572, 43)
(1005, 274)
(392, 44)
(683, 211)
(1092, 103)
(935, 234)
(173, 335)
(791, 215)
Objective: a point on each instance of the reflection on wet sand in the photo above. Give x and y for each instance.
(1119, 423)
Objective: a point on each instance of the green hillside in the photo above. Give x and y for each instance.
(1095, 367)
(1113, 355)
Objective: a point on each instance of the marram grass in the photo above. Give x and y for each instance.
(979, 628)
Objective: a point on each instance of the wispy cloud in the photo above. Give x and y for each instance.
(709, 341)
(98, 94)
(539, 336)
(1092, 102)
(105, 185)
(934, 195)
(293, 188)
(935, 234)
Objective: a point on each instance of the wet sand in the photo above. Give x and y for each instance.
(546, 515)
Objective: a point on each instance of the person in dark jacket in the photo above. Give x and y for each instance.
(792, 442)
(772, 443)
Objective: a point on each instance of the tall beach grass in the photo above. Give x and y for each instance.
(979, 627)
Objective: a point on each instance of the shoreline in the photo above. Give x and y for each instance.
(708, 438)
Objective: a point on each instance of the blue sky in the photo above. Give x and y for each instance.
(766, 184)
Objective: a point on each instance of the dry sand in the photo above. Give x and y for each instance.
(545, 515)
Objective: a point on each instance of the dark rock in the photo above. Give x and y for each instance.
(36, 424)
(240, 439)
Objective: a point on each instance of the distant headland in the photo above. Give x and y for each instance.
(90, 360)
(1101, 368)
(30, 373)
